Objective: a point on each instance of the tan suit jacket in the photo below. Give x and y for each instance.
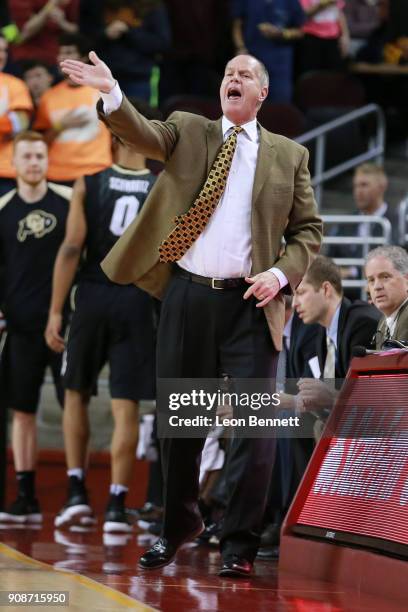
(400, 331)
(282, 201)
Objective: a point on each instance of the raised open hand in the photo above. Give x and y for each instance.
(96, 75)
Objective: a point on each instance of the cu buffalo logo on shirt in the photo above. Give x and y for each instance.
(37, 223)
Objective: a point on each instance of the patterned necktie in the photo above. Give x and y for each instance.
(193, 222)
(330, 363)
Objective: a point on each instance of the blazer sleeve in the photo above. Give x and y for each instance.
(153, 139)
(304, 230)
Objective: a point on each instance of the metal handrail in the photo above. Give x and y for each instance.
(375, 149)
(366, 243)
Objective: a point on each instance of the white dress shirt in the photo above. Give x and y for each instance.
(333, 329)
(223, 249)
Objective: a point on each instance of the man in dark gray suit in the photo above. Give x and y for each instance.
(386, 269)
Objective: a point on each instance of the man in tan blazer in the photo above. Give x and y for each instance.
(386, 270)
(223, 308)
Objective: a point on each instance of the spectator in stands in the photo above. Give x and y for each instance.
(79, 142)
(319, 299)
(267, 31)
(372, 51)
(363, 19)
(133, 35)
(110, 323)
(15, 112)
(386, 270)
(396, 49)
(326, 39)
(201, 45)
(32, 223)
(38, 78)
(41, 22)
(369, 186)
(9, 29)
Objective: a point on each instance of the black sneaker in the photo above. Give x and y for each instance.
(77, 510)
(116, 518)
(22, 510)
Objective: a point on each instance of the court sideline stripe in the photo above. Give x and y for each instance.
(93, 585)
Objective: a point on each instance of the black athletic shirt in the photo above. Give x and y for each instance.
(30, 236)
(113, 199)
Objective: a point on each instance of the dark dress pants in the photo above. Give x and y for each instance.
(204, 332)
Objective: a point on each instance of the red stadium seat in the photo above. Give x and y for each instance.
(284, 119)
(323, 88)
(208, 107)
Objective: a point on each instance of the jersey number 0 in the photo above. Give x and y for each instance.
(126, 209)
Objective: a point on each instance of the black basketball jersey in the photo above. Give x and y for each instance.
(30, 236)
(114, 198)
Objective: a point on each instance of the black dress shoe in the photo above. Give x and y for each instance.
(160, 554)
(235, 567)
(163, 552)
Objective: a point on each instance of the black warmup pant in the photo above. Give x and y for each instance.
(204, 332)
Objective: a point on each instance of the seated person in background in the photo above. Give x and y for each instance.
(372, 50)
(38, 78)
(267, 30)
(41, 22)
(78, 142)
(386, 270)
(326, 39)
(363, 19)
(15, 113)
(344, 325)
(369, 186)
(132, 36)
(396, 49)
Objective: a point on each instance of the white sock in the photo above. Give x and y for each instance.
(117, 489)
(78, 472)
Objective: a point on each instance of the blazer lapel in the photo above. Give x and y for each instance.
(214, 141)
(266, 156)
(401, 329)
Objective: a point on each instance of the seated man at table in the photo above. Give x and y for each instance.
(387, 275)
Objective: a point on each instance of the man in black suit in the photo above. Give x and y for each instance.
(344, 325)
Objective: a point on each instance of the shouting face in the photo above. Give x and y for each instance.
(243, 89)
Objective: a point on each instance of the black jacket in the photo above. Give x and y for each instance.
(302, 348)
(357, 325)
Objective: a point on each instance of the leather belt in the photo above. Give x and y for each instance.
(214, 283)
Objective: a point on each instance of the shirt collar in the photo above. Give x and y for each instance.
(380, 212)
(287, 330)
(250, 128)
(333, 327)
